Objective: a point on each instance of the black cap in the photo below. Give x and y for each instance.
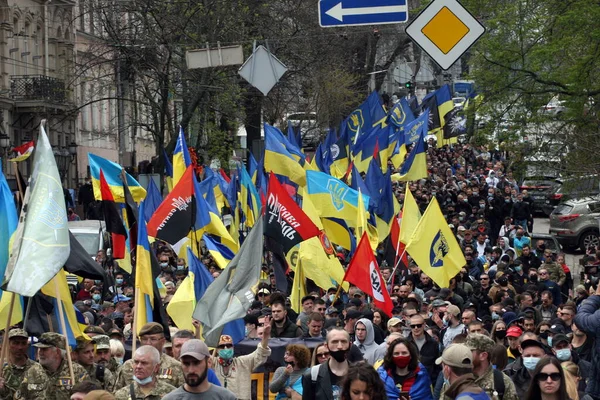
(532, 343)
(559, 338)
(353, 314)
(557, 328)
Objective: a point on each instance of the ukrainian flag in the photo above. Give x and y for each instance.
(291, 148)
(366, 116)
(112, 174)
(8, 220)
(332, 197)
(74, 322)
(339, 154)
(143, 276)
(401, 114)
(208, 221)
(221, 254)
(278, 159)
(249, 197)
(415, 165)
(181, 157)
(434, 248)
(252, 167)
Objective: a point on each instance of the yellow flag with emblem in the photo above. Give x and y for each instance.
(410, 216)
(434, 248)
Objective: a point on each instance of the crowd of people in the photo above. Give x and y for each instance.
(510, 325)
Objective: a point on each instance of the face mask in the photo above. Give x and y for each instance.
(119, 281)
(549, 340)
(507, 201)
(164, 264)
(500, 334)
(563, 355)
(531, 362)
(97, 282)
(180, 268)
(245, 331)
(119, 360)
(533, 278)
(96, 297)
(226, 353)
(482, 206)
(518, 269)
(144, 381)
(331, 297)
(495, 316)
(338, 355)
(401, 361)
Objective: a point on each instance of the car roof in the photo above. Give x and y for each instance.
(582, 200)
(86, 225)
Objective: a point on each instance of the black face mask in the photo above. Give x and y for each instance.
(338, 355)
(533, 278)
(500, 334)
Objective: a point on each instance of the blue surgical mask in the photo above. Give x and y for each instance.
(97, 282)
(549, 340)
(144, 381)
(119, 281)
(563, 355)
(226, 354)
(164, 264)
(518, 269)
(245, 331)
(180, 267)
(96, 297)
(531, 362)
(119, 360)
(495, 316)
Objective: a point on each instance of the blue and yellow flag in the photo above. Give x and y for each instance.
(366, 116)
(144, 284)
(401, 114)
(332, 197)
(8, 220)
(168, 171)
(434, 248)
(278, 159)
(112, 174)
(410, 216)
(75, 325)
(249, 198)
(181, 157)
(221, 254)
(415, 165)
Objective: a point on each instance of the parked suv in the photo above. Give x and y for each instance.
(538, 188)
(571, 188)
(575, 222)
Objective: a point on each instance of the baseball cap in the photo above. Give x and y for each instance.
(17, 333)
(353, 314)
(225, 339)
(556, 328)
(439, 303)
(532, 343)
(115, 331)
(152, 328)
(82, 342)
(120, 298)
(479, 342)
(559, 338)
(102, 342)
(264, 291)
(456, 355)
(393, 322)
(195, 348)
(514, 331)
(331, 310)
(51, 339)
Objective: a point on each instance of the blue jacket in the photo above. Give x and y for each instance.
(588, 320)
(420, 390)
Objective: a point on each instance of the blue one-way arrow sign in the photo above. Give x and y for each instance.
(361, 12)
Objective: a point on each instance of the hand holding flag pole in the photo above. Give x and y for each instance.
(63, 326)
(5, 342)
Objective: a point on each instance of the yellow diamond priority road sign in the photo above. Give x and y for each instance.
(445, 30)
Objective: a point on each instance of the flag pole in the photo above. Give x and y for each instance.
(136, 303)
(27, 311)
(5, 341)
(63, 325)
(397, 263)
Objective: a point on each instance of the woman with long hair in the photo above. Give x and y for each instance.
(362, 383)
(498, 333)
(548, 381)
(402, 374)
(572, 378)
(380, 319)
(320, 354)
(288, 379)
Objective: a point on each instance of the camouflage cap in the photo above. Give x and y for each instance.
(479, 342)
(83, 342)
(51, 339)
(94, 329)
(152, 328)
(17, 333)
(102, 342)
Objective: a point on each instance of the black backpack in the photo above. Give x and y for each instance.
(499, 383)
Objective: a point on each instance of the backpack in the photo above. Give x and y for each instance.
(499, 387)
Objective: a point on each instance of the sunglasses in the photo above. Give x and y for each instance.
(225, 346)
(326, 354)
(416, 326)
(555, 376)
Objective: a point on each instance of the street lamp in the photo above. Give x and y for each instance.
(62, 157)
(73, 150)
(4, 143)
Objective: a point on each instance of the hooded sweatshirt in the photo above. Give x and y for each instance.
(368, 347)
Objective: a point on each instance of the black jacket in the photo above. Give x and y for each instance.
(428, 354)
(290, 330)
(320, 389)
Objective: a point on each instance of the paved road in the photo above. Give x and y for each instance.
(541, 225)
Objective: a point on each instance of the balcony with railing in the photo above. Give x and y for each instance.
(39, 88)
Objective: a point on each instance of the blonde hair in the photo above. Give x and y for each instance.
(571, 378)
(116, 348)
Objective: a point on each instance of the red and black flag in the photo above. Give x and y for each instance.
(175, 216)
(131, 217)
(285, 222)
(112, 218)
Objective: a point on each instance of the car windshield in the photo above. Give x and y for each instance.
(563, 209)
(90, 241)
(536, 183)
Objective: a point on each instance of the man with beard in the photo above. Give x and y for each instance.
(85, 357)
(323, 381)
(50, 379)
(195, 363)
(103, 355)
(17, 365)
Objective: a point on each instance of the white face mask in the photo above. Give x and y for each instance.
(144, 381)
